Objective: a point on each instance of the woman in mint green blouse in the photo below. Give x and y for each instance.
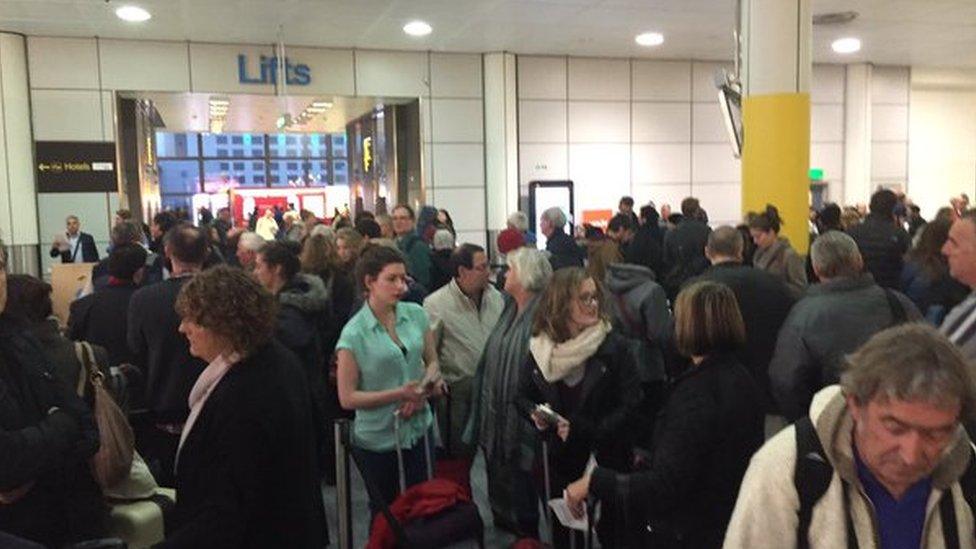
(384, 352)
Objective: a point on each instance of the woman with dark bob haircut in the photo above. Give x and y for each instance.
(709, 428)
(582, 368)
(245, 469)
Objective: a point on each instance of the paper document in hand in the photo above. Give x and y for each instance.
(565, 516)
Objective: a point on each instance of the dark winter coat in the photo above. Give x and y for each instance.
(563, 250)
(684, 254)
(645, 249)
(883, 245)
(704, 437)
(764, 301)
(832, 320)
(101, 318)
(418, 257)
(934, 295)
(44, 447)
(246, 475)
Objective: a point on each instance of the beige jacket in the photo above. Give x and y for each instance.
(765, 514)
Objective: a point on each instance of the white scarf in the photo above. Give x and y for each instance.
(563, 361)
(204, 386)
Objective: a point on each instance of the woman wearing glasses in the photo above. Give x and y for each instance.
(581, 369)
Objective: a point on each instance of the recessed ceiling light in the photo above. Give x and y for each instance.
(132, 14)
(649, 39)
(846, 45)
(417, 28)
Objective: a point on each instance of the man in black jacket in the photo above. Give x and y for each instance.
(74, 246)
(684, 247)
(562, 248)
(882, 242)
(645, 248)
(47, 435)
(162, 353)
(100, 318)
(764, 301)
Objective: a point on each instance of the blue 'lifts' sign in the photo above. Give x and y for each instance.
(295, 75)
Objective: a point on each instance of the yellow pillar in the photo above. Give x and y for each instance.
(776, 112)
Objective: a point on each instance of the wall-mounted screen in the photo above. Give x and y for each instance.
(547, 194)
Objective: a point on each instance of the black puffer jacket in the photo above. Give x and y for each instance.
(704, 437)
(563, 250)
(883, 245)
(43, 452)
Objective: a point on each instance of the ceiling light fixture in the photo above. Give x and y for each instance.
(132, 14)
(417, 28)
(649, 39)
(846, 45)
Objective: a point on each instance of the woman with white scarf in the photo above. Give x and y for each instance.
(582, 370)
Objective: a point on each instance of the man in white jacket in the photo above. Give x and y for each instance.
(893, 456)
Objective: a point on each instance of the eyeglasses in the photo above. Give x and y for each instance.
(589, 300)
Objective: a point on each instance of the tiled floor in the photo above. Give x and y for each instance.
(493, 538)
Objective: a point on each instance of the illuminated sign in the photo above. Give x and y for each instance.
(367, 154)
(298, 74)
(66, 166)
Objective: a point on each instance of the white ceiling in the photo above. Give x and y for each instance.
(916, 32)
(189, 112)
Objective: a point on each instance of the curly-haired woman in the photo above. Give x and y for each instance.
(246, 472)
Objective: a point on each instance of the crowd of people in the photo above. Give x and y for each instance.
(649, 367)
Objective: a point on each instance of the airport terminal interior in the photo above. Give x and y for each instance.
(487, 273)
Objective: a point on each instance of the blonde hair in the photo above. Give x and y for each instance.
(707, 320)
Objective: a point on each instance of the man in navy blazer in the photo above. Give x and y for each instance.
(74, 246)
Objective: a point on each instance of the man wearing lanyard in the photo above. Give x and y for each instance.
(74, 246)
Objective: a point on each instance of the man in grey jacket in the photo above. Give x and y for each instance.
(895, 457)
(834, 318)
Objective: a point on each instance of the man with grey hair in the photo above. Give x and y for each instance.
(834, 318)
(881, 461)
(960, 251)
(248, 246)
(563, 251)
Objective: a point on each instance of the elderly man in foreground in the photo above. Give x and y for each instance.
(881, 461)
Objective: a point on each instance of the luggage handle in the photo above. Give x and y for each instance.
(398, 532)
(399, 452)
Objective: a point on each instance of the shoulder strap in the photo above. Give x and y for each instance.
(947, 512)
(967, 483)
(898, 315)
(82, 369)
(811, 476)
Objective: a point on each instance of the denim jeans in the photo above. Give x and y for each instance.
(382, 471)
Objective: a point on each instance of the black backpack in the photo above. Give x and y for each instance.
(813, 473)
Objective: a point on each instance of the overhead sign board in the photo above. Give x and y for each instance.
(75, 166)
(266, 72)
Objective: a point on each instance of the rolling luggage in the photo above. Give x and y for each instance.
(406, 523)
(447, 466)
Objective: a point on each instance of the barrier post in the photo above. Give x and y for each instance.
(343, 494)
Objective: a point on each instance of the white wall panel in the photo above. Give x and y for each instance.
(331, 71)
(707, 123)
(214, 68)
(455, 75)
(830, 158)
(661, 122)
(671, 194)
(890, 85)
(601, 175)
(661, 163)
(542, 162)
(599, 79)
(889, 123)
(459, 165)
(889, 161)
(62, 62)
(593, 122)
(391, 73)
(703, 81)
(467, 207)
(541, 77)
(827, 84)
(723, 202)
(142, 65)
(472, 237)
(661, 81)
(67, 115)
(542, 122)
(714, 163)
(458, 120)
(18, 219)
(826, 123)
(108, 116)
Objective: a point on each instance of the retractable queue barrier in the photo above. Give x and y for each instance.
(343, 494)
